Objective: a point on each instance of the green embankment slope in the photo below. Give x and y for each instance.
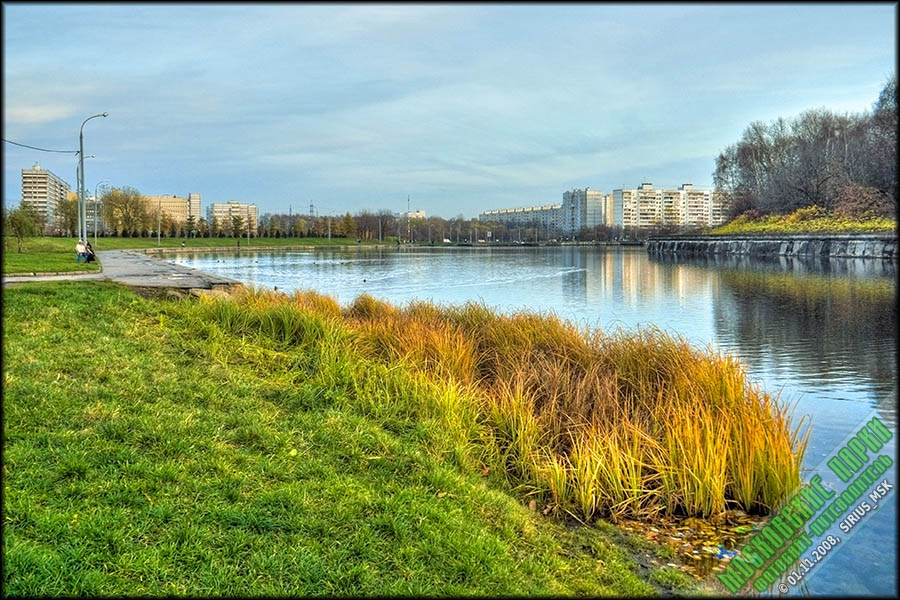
(143, 456)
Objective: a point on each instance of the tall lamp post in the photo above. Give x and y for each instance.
(82, 233)
(97, 209)
(78, 214)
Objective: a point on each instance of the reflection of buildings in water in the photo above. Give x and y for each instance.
(826, 325)
(574, 284)
(625, 278)
(628, 277)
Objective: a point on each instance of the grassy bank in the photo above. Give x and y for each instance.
(52, 254)
(43, 255)
(805, 220)
(589, 424)
(246, 447)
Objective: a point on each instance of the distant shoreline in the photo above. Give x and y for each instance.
(236, 249)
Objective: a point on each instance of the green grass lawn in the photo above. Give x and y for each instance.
(43, 255)
(148, 454)
(53, 254)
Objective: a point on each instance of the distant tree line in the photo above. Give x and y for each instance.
(125, 213)
(842, 163)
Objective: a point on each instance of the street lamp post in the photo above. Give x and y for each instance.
(97, 209)
(78, 196)
(158, 221)
(79, 213)
(82, 232)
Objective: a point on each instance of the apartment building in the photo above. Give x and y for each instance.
(175, 207)
(546, 216)
(42, 191)
(582, 208)
(624, 207)
(697, 206)
(647, 207)
(579, 208)
(222, 213)
(194, 208)
(644, 206)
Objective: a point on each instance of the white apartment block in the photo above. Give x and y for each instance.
(648, 207)
(223, 212)
(194, 206)
(643, 207)
(582, 208)
(42, 191)
(546, 216)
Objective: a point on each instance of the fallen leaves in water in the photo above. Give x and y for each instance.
(703, 546)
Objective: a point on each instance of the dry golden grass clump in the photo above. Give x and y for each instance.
(616, 424)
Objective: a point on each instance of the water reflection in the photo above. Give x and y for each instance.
(831, 322)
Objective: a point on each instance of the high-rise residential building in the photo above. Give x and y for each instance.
(222, 213)
(194, 208)
(582, 209)
(649, 207)
(42, 191)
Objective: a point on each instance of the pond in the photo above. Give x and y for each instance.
(822, 332)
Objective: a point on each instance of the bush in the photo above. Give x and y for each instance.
(861, 202)
(807, 213)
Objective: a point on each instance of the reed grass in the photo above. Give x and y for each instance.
(621, 424)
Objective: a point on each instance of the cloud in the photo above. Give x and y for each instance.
(37, 114)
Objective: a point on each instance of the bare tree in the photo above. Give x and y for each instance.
(814, 159)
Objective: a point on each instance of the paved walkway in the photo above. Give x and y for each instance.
(136, 269)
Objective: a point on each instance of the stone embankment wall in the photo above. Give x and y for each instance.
(881, 246)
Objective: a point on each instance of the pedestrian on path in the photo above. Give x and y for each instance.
(80, 251)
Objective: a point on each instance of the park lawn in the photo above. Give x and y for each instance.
(145, 458)
(43, 255)
(54, 254)
(45, 262)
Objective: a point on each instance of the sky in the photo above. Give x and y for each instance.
(460, 107)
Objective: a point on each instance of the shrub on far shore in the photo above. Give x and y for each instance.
(856, 216)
